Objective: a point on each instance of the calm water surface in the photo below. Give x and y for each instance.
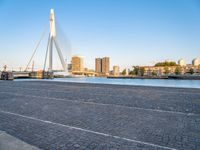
(145, 82)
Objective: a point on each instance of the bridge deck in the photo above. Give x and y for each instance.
(53, 115)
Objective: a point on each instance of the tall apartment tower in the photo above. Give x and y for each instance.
(77, 63)
(102, 65)
(98, 64)
(105, 65)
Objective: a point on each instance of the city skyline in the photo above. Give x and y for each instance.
(134, 32)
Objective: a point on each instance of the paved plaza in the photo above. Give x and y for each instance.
(62, 116)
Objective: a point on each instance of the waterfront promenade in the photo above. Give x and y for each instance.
(57, 115)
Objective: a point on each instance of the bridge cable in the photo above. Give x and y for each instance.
(42, 36)
(46, 53)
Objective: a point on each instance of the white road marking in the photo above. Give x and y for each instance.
(86, 130)
(103, 104)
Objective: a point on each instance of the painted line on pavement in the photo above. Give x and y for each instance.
(86, 130)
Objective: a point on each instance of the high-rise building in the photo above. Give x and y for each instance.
(98, 64)
(77, 63)
(105, 65)
(102, 65)
(116, 70)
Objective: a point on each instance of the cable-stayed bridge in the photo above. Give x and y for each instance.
(56, 39)
(53, 44)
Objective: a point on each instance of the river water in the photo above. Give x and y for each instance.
(143, 82)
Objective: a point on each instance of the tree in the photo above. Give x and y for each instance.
(131, 73)
(136, 70)
(142, 70)
(124, 72)
(166, 63)
(178, 70)
(191, 71)
(166, 70)
(154, 73)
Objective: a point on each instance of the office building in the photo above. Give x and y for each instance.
(77, 63)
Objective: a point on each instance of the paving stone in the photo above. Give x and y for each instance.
(55, 115)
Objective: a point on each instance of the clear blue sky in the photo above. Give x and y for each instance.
(130, 32)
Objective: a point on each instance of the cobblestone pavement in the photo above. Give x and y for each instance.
(56, 115)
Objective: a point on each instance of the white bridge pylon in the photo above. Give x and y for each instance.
(54, 41)
(50, 44)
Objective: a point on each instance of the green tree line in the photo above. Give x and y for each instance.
(165, 64)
